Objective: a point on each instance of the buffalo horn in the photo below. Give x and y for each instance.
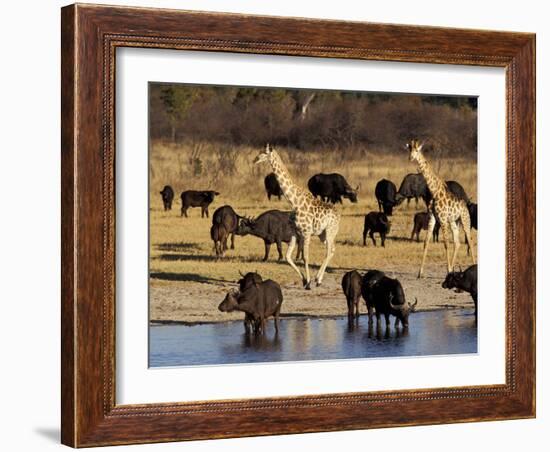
(397, 307)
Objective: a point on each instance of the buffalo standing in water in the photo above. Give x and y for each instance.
(258, 301)
(388, 298)
(351, 285)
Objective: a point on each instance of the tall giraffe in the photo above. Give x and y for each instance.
(313, 217)
(446, 206)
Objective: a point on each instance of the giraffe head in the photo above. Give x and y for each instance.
(414, 147)
(265, 155)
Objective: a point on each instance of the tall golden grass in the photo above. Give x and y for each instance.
(174, 165)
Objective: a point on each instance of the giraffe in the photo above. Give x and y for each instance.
(313, 216)
(447, 207)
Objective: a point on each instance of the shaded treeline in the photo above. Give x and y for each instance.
(309, 120)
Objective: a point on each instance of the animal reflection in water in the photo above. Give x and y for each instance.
(431, 333)
(377, 332)
(261, 342)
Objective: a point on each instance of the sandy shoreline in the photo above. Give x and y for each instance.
(193, 302)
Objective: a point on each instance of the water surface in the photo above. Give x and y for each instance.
(430, 333)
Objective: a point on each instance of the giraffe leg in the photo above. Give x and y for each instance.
(445, 230)
(456, 240)
(307, 280)
(330, 235)
(431, 225)
(288, 256)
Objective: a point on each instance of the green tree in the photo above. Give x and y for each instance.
(177, 100)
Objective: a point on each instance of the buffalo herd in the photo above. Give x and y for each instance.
(260, 299)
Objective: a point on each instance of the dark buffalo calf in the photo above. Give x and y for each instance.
(272, 187)
(388, 299)
(376, 222)
(331, 188)
(420, 223)
(273, 226)
(193, 198)
(351, 285)
(385, 192)
(466, 281)
(370, 279)
(226, 216)
(259, 301)
(167, 194)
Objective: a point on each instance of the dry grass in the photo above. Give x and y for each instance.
(181, 248)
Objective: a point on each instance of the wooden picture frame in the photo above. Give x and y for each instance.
(90, 36)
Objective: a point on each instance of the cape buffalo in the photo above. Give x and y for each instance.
(376, 222)
(385, 192)
(273, 226)
(370, 278)
(259, 301)
(331, 188)
(351, 285)
(167, 194)
(193, 198)
(272, 187)
(228, 218)
(413, 186)
(389, 299)
(466, 281)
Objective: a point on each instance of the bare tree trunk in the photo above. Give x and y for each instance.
(305, 106)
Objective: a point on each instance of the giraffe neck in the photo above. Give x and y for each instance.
(290, 190)
(435, 184)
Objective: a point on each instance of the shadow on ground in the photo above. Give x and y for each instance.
(186, 277)
(177, 247)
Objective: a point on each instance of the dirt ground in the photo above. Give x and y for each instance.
(196, 302)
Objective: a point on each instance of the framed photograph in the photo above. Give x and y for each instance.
(281, 225)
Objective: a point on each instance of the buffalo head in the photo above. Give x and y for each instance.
(402, 311)
(452, 280)
(230, 302)
(245, 226)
